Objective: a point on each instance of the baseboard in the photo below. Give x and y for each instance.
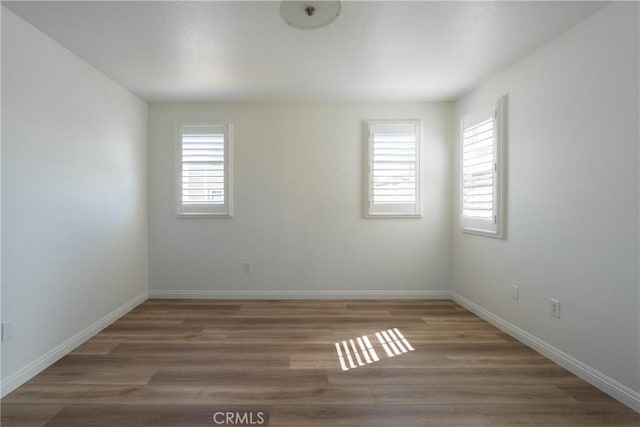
(334, 294)
(596, 378)
(34, 368)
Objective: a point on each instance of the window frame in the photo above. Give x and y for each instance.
(224, 210)
(368, 205)
(495, 228)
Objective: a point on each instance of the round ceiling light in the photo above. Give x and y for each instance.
(309, 15)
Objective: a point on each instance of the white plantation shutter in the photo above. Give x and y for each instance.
(478, 167)
(393, 168)
(204, 170)
(482, 171)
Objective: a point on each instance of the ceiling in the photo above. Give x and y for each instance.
(243, 51)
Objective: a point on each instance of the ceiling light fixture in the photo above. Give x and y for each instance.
(309, 15)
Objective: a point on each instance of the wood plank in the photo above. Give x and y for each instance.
(378, 416)
(92, 360)
(468, 394)
(112, 340)
(27, 415)
(492, 360)
(195, 395)
(585, 392)
(66, 374)
(456, 337)
(95, 347)
(372, 375)
(239, 376)
(566, 414)
(102, 415)
(145, 415)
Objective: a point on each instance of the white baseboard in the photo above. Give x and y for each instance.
(40, 364)
(334, 294)
(596, 378)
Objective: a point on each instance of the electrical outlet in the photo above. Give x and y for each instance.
(7, 330)
(246, 267)
(555, 308)
(515, 292)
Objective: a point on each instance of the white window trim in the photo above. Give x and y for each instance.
(226, 210)
(497, 227)
(368, 169)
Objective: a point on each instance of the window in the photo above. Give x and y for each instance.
(393, 168)
(204, 170)
(482, 171)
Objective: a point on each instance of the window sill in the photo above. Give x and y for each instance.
(202, 215)
(484, 233)
(382, 216)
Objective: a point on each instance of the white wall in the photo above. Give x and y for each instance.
(298, 206)
(572, 223)
(74, 198)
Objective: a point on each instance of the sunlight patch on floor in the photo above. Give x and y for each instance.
(352, 355)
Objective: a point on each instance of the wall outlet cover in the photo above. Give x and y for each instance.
(555, 308)
(7, 330)
(246, 267)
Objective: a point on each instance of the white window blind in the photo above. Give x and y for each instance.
(393, 168)
(203, 180)
(482, 171)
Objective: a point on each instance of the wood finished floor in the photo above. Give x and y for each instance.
(176, 362)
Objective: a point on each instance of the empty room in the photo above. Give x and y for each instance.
(320, 213)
